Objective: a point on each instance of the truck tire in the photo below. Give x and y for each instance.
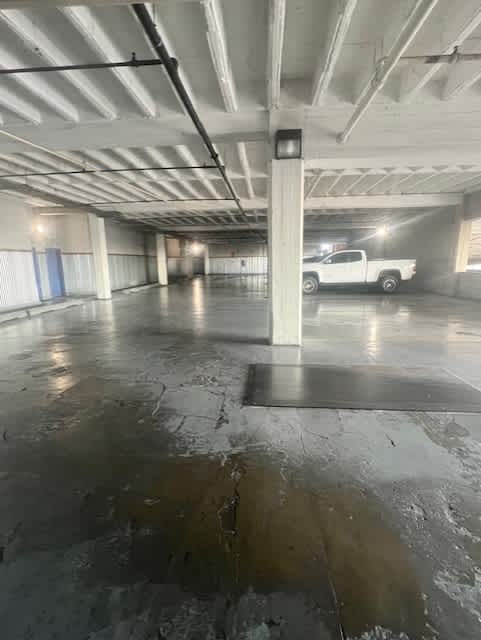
(309, 285)
(389, 283)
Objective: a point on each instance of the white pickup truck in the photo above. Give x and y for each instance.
(353, 267)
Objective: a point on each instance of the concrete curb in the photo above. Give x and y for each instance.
(143, 287)
(31, 312)
(56, 306)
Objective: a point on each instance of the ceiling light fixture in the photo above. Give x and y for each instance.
(288, 144)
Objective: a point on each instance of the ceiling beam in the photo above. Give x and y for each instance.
(412, 26)
(38, 40)
(83, 19)
(218, 51)
(415, 81)
(38, 87)
(339, 23)
(186, 155)
(161, 160)
(461, 78)
(19, 107)
(277, 17)
(394, 201)
(244, 161)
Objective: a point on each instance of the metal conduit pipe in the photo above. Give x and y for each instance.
(171, 67)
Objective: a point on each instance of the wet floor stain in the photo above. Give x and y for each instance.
(213, 527)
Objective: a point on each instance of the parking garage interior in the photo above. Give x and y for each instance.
(167, 170)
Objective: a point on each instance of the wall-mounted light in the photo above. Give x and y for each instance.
(196, 248)
(288, 144)
(382, 231)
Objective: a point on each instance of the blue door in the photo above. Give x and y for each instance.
(55, 272)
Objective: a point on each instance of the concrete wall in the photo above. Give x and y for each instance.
(236, 258)
(127, 249)
(429, 237)
(18, 286)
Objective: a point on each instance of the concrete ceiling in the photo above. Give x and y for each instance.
(411, 130)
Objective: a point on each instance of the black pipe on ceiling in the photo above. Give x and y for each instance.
(133, 62)
(171, 67)
(166, 200)
(88, 171)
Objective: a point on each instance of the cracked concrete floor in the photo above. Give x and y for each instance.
(139, 500)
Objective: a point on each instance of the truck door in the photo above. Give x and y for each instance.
(336, 268)
(344, 267)
(357, 266)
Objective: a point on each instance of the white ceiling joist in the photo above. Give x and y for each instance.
(277, 17)
(244, 161)
(313, 185)
(413, 81)
(394, 201)
(40, 88)
(131, 157)
(186, 155)
(414, 23)
(162, 161)
(16, 105)
(377, 182)
(460, 79)
(100, 41)
(334, 182)
(218, 51)
(340, 21)
(29, 32)
(37, 162)
(134, 188)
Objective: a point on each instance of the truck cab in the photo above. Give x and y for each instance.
(352, 267)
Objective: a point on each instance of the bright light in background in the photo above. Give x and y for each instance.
(326, 248)
(196, 248)
(382, 231)
(40, 228)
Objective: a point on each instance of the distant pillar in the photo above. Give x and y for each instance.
(100, 255)
(464, 242)
(285, 237)
(206, 260)
(162, 273)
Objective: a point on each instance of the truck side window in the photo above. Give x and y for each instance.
(356, 256)
(339, 258)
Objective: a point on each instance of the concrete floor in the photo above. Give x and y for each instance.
(139, 500)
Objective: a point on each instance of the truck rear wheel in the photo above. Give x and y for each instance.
(309, 285)
(389, 283)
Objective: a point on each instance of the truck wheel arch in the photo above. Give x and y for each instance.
(389, 272)
(310, 274)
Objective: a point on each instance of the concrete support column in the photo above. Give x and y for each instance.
(162, 273)
(187, 264)
(285, 236)
(101, 260)
(206, 260)
(462, 249)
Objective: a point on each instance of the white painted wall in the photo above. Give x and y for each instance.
(17, 274)
(16, 224)
(238, 258)
(124, 240)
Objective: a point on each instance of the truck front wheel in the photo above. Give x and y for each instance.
(389, 283)
(309, 285)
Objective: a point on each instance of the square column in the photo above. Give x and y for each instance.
(162, 273)
(101, 260)
(463, 245)
(286, 237)
(206, 260)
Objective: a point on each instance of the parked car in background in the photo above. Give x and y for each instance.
(351, 267)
